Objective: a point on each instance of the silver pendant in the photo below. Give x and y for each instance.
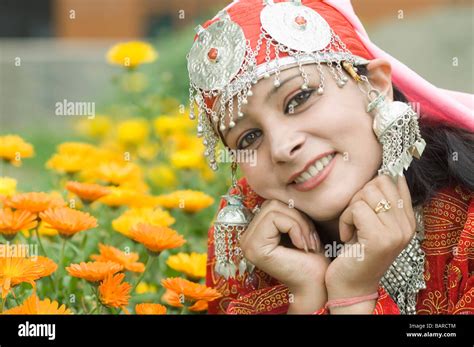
(296, 26)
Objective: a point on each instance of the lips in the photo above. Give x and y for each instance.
(313, 168)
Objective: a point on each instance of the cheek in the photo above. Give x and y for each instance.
(258, 178)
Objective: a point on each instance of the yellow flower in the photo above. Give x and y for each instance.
(131, 54)
(189, 200)
(166, 125)
(153, 216)
(192, 265)
(46, 229)
(148, 151)
(7, 186)
(162, 176)
(144, 288)
(114, 172)
(72, 157)
(98, 127)
(118, 197)
(13, 149)
(187, 159)
(33, 305)
(133, 131)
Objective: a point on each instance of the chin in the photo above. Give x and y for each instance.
(325, 209)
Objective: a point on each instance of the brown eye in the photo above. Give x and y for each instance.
(249, 138)
(298, 100)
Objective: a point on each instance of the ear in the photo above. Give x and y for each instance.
(380, 76)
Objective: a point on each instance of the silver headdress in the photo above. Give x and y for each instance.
(222, 64)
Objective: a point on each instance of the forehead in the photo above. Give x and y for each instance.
(263, 86)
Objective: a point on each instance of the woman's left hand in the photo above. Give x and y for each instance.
(381, 236)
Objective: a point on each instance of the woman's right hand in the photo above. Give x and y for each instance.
(303, 268)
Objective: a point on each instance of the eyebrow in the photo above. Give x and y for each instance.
(274, 89)
(269, 94)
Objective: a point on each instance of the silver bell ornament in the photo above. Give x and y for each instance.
(231, 221)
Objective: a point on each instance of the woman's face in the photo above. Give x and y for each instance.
(328, 136)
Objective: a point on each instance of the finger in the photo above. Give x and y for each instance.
(304, 224)
(359, 216)
(290, 226)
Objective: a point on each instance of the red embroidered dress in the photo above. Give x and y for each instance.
(449, 265)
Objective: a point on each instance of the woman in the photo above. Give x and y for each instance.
(337, 226)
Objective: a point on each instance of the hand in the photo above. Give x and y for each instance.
(300, 269)
(382, 237)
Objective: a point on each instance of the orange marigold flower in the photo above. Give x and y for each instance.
(16, 270)
(114, 293)
(11, 222)
(35, 201)
(128, 260)
(146, 308)
(176, 300)
(93, 271)
(156, 238)
(33, 305)
(68, 221)
(87, 191)
(190, 290)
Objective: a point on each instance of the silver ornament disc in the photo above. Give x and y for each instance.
(224, 41)
(296, 26)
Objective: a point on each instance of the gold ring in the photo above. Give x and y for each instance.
(383, 206)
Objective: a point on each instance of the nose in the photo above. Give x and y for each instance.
(285, 147)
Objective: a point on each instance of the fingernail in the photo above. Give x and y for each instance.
(313, 241)
(305, 245)
(317, 242)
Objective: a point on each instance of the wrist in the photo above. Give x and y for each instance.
(342, 292)
(306, 299)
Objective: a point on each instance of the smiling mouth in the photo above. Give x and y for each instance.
(314, 169)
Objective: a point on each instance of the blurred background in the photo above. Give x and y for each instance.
(53, 50)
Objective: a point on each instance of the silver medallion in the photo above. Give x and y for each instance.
(296, 26)
(217, 55)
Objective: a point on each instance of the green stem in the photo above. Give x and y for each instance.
(149, 262)
(40, 242)
(184, 310)
(2, 303)
(60, 266)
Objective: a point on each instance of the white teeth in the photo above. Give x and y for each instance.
(314, 169)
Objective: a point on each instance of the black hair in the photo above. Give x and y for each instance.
(447, 160)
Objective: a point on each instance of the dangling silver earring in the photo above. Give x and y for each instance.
(396, 126)
(231, 221)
